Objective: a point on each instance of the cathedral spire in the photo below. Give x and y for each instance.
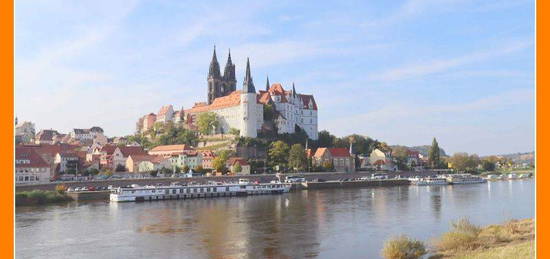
(267, 84)
(214, 70)
(248, 85)
(293, 90)
(229, 72)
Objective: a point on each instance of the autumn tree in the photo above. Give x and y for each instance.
(206, 122)
(297, 157)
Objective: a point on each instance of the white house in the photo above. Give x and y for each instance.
(30, 167)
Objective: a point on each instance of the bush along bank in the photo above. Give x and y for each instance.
(38, 197)
(512, 239)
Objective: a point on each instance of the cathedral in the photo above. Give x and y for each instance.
(243, 109)
(219, 85)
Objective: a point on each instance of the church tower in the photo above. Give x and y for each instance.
(215, 82)
(250, 110)
(229, 79)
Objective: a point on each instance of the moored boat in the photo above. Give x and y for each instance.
(464, 179)
(428, 181)
(150, 193)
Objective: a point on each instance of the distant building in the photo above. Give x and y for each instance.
(45, 136)
(189, 159)
(115, 156)
(233, 161)
(243, 109)
(30, 167)
(169, 150)
(207, 159)
(340, 158)
(382, 161)
(68, 162)
(24, 132)
(165, 114)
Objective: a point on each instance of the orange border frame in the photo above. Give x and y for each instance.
(7, 126)
(542, 93)
(7, 122)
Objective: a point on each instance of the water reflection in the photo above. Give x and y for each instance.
(347, 223)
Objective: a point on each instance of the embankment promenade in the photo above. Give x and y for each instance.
(167, 180)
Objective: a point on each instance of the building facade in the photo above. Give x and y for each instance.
(243, 109)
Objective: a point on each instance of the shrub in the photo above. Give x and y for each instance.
(463, 235)
(403, 247)
(60, 188)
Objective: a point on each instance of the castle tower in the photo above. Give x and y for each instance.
(229, 79)
(249, 106)
(215, 81)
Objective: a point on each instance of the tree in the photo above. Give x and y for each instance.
(434, 159)
(401, 155)
(185, 168)
(464, 162)
(325, 139)
(237, 168)
(206, 122)
(297, 158)
(278, 154)
(488, 165)
(219, 162)
(93, 171)
(107, 172)
(235, 132)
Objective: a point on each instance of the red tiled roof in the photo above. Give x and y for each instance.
(319, 152)
(132, 150)
(27, 153)
(232, 160)
(49, 148)
(233, 99)
(306, 99)
(339, 152)
(170, 148)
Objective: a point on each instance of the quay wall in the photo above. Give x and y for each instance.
(89, 196)
(369, 183)
(165, 181)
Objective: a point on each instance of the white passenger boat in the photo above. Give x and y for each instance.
(167, 192)
(512, 176)
(428, 181)
(492, 177)
(464, 179)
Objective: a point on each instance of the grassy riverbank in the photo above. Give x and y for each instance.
(38, 197)
(512, 239)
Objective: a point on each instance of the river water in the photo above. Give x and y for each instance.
(334, 223)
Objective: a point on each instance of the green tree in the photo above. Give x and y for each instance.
(434, 159)
(206, 122)
(237, 168)
(464, 163)
(297, 158)
(235, 132)
(278, 154)
(325, 139)
(107, 172)
(488, 165)
(219, 162)
(401, 155)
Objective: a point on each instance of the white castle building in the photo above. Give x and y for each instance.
(243, 109)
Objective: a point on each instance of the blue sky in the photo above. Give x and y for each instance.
(399, 71)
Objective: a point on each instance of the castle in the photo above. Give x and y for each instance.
(243, 109)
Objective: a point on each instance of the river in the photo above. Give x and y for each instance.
(333, 223)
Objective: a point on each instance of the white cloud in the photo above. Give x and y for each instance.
(441, 65)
